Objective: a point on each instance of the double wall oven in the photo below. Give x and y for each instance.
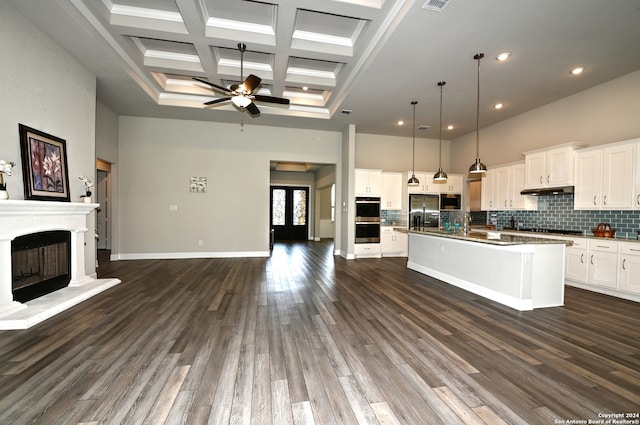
(367, 220)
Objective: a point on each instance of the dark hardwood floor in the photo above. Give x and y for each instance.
(308, 338)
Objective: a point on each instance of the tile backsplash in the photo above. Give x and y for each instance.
(556, 212)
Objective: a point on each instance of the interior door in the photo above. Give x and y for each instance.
(289, 213)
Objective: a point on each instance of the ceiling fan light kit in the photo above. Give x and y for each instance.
(413, 181)
(478, 167)
(440, 176)
(241, 95)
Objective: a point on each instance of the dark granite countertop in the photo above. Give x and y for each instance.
(491, 237)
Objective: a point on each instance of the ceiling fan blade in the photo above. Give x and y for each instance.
(224, 89)
(214, 101)
(272, 99)
(252, 109)
(251, 83)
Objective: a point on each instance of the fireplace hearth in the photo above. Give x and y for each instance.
(40, 264)
(53, 277)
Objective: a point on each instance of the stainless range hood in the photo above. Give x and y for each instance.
(548, 191)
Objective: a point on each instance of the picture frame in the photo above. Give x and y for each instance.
(44, 165)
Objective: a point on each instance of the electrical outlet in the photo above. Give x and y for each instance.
(173, 207)
(200, 243)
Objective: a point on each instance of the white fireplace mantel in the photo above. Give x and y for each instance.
(20, 217)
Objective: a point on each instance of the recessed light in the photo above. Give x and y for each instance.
(400, 122)
(503, 56)
(498, 106)
(577, 71)
(450, 127)
(305, 88)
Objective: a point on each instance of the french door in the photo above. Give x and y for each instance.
(289, 213)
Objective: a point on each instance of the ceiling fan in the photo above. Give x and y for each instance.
(242, 94)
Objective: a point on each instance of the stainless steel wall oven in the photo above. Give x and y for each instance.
(367, 220)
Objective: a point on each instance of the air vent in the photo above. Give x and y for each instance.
(345, 112)
(424, 127)
(435, 5)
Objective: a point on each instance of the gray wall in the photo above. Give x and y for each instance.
(606, 113)
(156, 159)
(44, 87)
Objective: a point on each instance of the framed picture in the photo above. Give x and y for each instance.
(44, 165)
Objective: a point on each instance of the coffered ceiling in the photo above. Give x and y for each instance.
(344, 62)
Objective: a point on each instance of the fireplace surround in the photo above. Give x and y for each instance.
(21, 217)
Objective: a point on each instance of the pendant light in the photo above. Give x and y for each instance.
(440, 176)
(478, 167)
(413, 181)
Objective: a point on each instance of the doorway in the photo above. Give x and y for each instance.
(289, 209)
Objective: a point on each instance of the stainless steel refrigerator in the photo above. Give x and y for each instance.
(424, 211)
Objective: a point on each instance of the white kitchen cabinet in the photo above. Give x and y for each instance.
(453, 184)
(604, 178)
(392, 243)
(636, 180)
(603, 263)
(488, 200)
(518, 201)
(427, 185)
(391, 198)
(576, 261)
(367, 250)
(629, 267)
(588, 191)
(549, 167)
(501, 189)
(368, 182)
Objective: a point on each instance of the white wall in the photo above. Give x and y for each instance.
(44, 87)
(157, 157)
(606, 113)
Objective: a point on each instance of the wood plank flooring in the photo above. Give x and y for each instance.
(304, 337)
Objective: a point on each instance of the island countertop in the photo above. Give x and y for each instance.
(490, 237)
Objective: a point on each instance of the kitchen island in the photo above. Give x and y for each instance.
(521, 272)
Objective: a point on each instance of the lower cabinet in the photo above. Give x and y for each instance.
(629, 267)
(576, 261)
(367, 250)
(393, 244)
(603, 263)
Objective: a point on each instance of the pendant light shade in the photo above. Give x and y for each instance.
(478, 167)
(413, 181)
(440, 176)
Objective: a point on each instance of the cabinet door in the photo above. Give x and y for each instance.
(588, 180)
(629, 272)
(516, 200)
(559, 166)
(503, 189)
(603, 268)
(487, 191)
(617, 177)
(391, 191)
(375, 182)
(362, 182)
(636, 191)
(576, 266)
(535, 166)
(454, 184)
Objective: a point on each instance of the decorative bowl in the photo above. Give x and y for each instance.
(603, 230)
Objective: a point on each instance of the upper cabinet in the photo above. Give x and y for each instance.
(452, 185)
(368, 182)
(605, 177)
(501, 187)
(391, 191)
(549, 167)
(426, 185)
(636, 179)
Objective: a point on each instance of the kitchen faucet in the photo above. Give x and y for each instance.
(466, 226)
